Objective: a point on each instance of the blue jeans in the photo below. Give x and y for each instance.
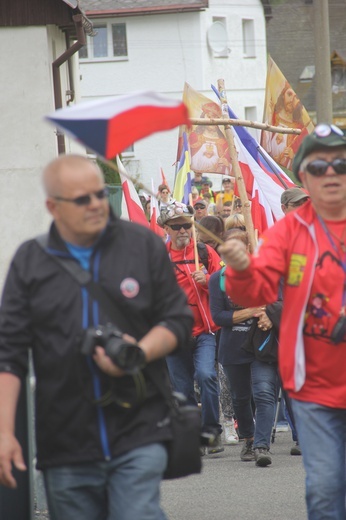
(239, 378)
(264, 384)
(322, 437)
(125, 488)
(198, 363)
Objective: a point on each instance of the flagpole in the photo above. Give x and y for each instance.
(194, 238)
(244, 122)
(236, 168)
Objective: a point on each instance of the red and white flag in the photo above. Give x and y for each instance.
(162, 177)
(263, 190)
(154, 213)
(131, 206)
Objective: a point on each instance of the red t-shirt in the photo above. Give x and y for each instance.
(325, 361)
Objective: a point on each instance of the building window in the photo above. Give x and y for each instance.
(249, 49)
(251, 115)
(119, 39)
(338, 79)
(109, 42)
(99, 42)
(130, 150)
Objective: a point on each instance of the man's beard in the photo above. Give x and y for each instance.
(182, 242)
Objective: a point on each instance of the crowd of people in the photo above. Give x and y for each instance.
(200, 314)
(205, 201)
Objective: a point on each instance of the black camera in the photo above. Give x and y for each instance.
(127, 356)
(339, 330)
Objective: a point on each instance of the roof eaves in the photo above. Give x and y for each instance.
(174, 8)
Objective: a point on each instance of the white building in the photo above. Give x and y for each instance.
(33, 35)
(157, 45)
(147, 44)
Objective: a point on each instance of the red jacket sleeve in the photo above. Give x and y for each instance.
(259, 283)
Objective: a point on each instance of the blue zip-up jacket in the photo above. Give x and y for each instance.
(43, 308)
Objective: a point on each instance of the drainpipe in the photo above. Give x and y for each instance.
(81, 41)
(70, 92)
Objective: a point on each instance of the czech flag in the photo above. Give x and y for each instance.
(109, 126)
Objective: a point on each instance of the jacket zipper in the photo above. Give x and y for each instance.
(299, 379)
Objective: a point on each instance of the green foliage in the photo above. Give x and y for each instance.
(111, 175)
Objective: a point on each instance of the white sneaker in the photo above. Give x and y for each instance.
(282, 427)
(231, 436)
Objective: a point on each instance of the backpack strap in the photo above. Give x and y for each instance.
(202, 255)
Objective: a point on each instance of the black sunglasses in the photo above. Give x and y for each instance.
(199, 206)
(84, 200)
(177, 227)
(298, 203)
(319, 167)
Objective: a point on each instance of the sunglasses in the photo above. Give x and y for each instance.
(297, 204)
(319, 167)
(84, 200)
(177, 227)
(199, 206)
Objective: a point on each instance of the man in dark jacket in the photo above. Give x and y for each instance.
(100, 431)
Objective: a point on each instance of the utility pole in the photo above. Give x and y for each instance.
(324, 103)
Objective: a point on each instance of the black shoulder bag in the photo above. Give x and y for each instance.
(184, 456)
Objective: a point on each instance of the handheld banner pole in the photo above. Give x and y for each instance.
(194, 238)
(236, 168)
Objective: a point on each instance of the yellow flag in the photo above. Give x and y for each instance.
(283, 108)
(208, 145)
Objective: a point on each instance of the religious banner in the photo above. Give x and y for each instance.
(283, 108)
(208, 145)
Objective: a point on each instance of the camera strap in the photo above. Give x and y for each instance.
(84, 279)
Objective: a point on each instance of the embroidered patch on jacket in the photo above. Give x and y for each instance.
(129, 287)
(296, 269)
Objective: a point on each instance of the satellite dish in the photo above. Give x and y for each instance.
(218, 38)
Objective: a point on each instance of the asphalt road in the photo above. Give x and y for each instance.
(230, 489)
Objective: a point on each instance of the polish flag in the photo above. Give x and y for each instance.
(154, 213)
(131, 206)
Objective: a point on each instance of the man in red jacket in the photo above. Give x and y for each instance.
(307, 249)
(198, 362)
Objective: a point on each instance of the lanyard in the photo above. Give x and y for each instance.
(333, 244)
(342, 261)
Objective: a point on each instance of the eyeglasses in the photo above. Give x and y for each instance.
(199, 206)
(319, 167)
(84, 200)
(177, 227)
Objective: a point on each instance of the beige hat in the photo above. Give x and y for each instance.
(174, 210)
(292, 195)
